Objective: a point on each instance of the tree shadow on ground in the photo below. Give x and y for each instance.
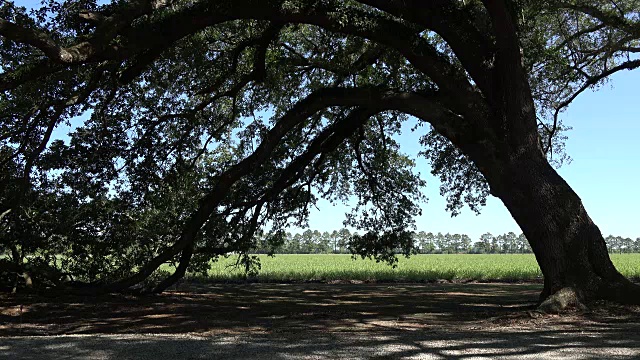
(385, 321)
(614, 343)
(236, 308)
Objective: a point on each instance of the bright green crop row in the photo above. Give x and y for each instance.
(416, 268)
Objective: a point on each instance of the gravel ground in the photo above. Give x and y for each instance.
(393, 345)
(308, 345)
(315, 321)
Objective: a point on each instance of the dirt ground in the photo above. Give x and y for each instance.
(384, 321)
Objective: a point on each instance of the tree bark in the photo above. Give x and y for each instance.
(568, 246)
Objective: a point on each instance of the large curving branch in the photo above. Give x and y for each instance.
(325, 142)
(35, 38)
(372, 98)
(149, 36)
(305, 108)
(450, 20)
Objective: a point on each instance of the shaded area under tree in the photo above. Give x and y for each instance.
(327, 321)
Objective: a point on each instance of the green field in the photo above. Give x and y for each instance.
(505, 267)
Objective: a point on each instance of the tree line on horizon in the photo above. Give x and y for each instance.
(339, 241)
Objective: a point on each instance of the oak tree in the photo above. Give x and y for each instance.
(204, 120)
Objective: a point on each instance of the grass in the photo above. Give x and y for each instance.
(627, 264)
(511, 267)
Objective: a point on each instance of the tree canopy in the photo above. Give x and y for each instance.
(196, 125)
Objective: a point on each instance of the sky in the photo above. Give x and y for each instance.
(604, 145)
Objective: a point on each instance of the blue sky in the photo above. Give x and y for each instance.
(604, 145)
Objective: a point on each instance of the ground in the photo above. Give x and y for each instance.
(315, 321)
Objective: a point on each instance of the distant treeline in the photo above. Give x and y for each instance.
(337, 242)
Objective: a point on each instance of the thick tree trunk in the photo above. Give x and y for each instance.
(505, 146)
(568, 246)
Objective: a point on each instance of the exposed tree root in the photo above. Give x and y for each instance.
(570, 298)
(565, 299)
